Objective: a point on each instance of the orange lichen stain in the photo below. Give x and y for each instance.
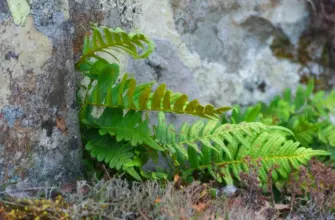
(61, 124)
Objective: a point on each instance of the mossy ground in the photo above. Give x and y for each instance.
(116, 198)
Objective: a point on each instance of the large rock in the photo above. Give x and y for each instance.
(39, 43)
(39, 135)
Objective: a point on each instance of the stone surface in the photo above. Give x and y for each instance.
(323, 23)
(226, 45)
(39, 130)
(229, 45)
(39, 133)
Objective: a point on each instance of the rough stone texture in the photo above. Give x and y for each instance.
(323, 26)
(220, 51)
(39, 135)
(226, 44)
(229, 46)
(39, 131)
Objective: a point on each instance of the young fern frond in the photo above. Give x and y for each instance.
(106, 41)
(213, 146)
(127, 95)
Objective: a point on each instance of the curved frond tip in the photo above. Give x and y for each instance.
(105, 42)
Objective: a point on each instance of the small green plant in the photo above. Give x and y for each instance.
(306, 114)
(116, 130)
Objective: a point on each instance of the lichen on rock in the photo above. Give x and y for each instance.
(20, 9)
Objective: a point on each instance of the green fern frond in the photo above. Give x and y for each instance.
(127, 95)
(324, 103)
(121, 137)
(106, 41)
(225, 147)
(129, 127)
(117, 155)
(210, 134)
(270, 150)
(304, 130)
(201, 138)
(327, 135)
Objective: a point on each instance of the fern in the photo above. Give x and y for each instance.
(127, 95)
(211, 134)
(305, 113)
(270, 150)
(118, 155)
(116, 129)
(116, 139)
(105, 41)
(129, 127)
(122, 102)
(327, 135)
(324, 103)
(211, 145)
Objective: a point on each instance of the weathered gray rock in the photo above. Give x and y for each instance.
(39, 43)
(230, 46)
(233, 39)
(39, 135)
